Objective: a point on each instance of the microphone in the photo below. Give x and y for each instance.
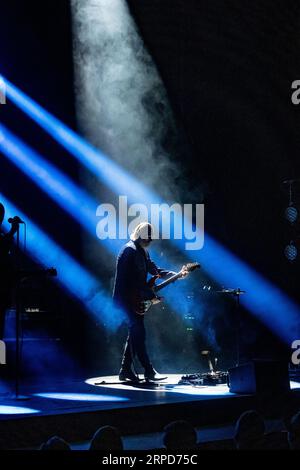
(15, 219)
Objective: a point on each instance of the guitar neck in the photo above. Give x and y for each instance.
(167, 282)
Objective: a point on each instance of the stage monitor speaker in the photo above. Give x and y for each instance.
(259, 376)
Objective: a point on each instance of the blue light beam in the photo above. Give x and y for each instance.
(95, 160)
(74, 200)
(71, 275)
(77, 202)
(263, 299)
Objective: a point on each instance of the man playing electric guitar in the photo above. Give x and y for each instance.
(131, 291)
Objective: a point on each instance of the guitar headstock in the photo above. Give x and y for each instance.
(189, 267)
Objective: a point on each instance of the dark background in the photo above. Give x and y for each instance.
(228, 68)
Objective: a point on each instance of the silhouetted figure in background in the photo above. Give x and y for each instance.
(6, 268)
(106, 438)
(179, 435)
(55, 443)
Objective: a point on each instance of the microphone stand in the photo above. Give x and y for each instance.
(236, 294)
(18, 320)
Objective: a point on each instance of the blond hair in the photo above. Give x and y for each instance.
(142, 231)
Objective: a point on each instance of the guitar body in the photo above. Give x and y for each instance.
(142, 306)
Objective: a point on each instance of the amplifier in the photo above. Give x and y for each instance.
(259, 376)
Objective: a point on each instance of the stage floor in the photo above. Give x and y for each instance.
(103, 393)
(75, 409)
(106, 392)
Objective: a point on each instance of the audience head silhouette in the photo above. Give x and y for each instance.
(55, 443)
(179, 435)
(107, 438)
(249, 430)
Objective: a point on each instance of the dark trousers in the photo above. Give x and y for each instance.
(136, 344)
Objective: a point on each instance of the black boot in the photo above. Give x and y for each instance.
(126, 374)
(152, 375)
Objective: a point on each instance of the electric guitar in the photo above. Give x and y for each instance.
(142, 306)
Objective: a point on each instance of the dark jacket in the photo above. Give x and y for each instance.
(133, 266)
